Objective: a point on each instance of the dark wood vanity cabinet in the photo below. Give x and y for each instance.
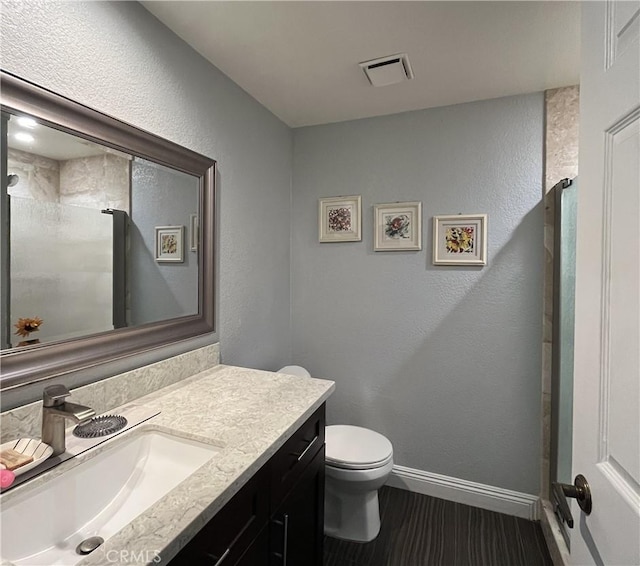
(277, 517)
(297, 527)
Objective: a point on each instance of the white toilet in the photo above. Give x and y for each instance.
(358, 463)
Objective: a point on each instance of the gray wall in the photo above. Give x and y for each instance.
(161, 197)
(117, 58)
(443, 360)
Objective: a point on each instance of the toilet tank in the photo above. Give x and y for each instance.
(298, 371)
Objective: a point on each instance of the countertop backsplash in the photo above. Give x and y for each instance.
(101, 396)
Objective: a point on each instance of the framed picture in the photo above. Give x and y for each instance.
(398, 226)
(169, 243)
(460, 240)
(194, 232)
(339, 219)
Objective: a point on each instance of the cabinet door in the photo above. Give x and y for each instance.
(296, 529)
(230, 533)
(258, 553)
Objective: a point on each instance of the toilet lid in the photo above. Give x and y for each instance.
(356, 447)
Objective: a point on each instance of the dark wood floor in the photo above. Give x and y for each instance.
(418, 530)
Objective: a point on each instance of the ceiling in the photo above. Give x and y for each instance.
(51, 143)
(300, 59)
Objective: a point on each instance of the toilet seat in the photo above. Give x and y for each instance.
(356, 467)
(356, 448)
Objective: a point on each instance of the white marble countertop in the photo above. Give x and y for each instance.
(247, 413)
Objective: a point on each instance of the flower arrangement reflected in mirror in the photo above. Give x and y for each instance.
(25, 326)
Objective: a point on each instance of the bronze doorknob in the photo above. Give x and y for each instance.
(580, 490)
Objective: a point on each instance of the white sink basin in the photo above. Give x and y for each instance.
(44, 525)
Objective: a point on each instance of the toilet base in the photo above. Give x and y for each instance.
(351, 516)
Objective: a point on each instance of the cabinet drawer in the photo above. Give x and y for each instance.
(295, 455)
(225, 538)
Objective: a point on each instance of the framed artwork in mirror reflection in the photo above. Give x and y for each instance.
(169, 243)
(339, 219)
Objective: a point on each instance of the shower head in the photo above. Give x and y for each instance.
(12, 180)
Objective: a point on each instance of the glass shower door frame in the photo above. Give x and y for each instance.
(564, 267)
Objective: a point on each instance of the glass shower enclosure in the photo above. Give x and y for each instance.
(60, 251)
(564, 273)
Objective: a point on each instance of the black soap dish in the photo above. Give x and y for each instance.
(100, 426)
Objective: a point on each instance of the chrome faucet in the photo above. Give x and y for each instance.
(55, 411)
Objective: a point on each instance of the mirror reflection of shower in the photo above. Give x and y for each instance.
(78, 270)
(58, 238)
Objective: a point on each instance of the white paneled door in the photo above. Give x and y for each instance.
(606, 428)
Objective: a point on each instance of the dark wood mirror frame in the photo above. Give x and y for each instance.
(43, 361)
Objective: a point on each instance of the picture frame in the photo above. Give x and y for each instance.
(339, 219)
(397, 226)
(460, 239)
(169, 243)
(194, 232)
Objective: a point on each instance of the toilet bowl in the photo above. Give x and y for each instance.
(358, 462)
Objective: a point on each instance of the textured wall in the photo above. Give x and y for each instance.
(443, 360)
(117, 58)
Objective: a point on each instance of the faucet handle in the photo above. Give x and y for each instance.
(54, 395)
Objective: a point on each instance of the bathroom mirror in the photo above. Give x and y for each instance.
(107, 237)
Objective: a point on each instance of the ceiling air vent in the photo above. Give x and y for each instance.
(388, 70)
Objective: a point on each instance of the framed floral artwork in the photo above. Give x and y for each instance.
(460, 240)
(339, 219)
(398, 226)
(169, 243)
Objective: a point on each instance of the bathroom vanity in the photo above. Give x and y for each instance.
(277, 517)
(257, 499)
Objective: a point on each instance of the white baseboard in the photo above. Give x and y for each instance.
(466, 492)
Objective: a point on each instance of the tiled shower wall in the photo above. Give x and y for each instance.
(562, 108)
(39, 177)
(100, 181)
